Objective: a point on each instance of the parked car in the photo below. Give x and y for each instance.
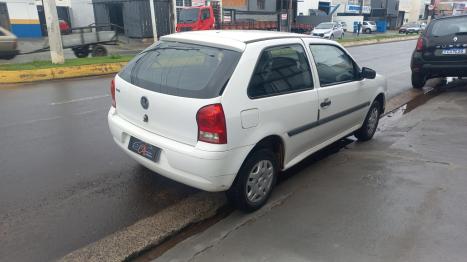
(8, 44)
(65, 28)
(411, 28)
(330, 30)
(441, 50)
(369, 27)
(229, 110)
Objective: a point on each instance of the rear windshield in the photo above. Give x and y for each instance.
(450, 26)
(182, 69)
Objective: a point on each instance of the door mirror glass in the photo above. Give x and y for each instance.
(368, 73)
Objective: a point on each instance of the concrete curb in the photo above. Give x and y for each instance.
(23, 76)
(151, 231)
(379, 41)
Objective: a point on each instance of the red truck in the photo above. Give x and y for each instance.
(196, 18)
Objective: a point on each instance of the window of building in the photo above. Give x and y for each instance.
(261, 4)
(280, 70)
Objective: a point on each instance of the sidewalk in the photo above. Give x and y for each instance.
(399, 197)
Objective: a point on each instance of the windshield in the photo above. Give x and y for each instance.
(371, 23)
(188, 15)
(325, 26)
(182, 69)
(450, 26)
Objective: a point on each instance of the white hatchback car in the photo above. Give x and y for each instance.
(229, 110)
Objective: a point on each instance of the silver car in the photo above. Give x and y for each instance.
(8, 44)
(329, 30)
(369, 27)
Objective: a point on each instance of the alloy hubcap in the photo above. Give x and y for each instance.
(373, 120)
(259, 181)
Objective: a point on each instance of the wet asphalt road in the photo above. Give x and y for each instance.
(63, 182)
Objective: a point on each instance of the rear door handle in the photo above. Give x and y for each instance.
(326, 103)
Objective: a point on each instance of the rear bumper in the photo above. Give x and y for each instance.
(206, 170)
(438, 68)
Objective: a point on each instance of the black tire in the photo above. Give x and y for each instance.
(238, 192)
(331, 37)
(418, 80)
(368, 31)
(368, 129)
(81, 52)
(99, 50)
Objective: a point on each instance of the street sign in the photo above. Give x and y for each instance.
(284, 16)
(431, 7)
(227, 18)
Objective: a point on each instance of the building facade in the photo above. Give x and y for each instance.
(22, 17)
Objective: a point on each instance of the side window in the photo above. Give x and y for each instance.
(333, 64)
(205, 14)
(279, 70)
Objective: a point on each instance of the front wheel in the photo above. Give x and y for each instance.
(368, 31)
(331, 37)
(418, 80)
(255, 181)
(368, 129)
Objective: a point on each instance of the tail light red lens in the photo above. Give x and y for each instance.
(112, 92)
(211, 124)
(419, 44)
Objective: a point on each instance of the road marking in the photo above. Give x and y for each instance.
(78, 100)
(47, 119)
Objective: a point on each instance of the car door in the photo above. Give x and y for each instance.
(282, 99)
(343, 95)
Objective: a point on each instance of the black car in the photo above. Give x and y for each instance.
(441, 50)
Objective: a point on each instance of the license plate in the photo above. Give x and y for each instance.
(144, 149)
(454, 51)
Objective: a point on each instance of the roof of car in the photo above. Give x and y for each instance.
(231, 39)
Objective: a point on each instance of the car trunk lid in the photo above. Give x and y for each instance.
(446, 40)
(162, 89)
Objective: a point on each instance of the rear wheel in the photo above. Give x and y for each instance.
(255, 181)
(99, 50)
(418, 80)
(370, 124)
(81, 52)
(368, 31)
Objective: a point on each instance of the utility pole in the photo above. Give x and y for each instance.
(361, 6)
(53, 30)
(153, 19)
(289, 13)
(174, 16)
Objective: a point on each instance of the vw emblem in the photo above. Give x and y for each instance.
(144, 102)
(455, 39)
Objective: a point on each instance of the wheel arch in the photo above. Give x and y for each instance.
(382, 102)
(274, 142)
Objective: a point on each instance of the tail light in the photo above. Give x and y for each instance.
(419, 44)
(112, 92)
(211, 124)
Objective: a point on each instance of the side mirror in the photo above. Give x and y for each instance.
(368, 73)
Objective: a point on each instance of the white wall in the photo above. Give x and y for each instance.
(413, 9)
(22, 10)
(82, 13)
(349, 20)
